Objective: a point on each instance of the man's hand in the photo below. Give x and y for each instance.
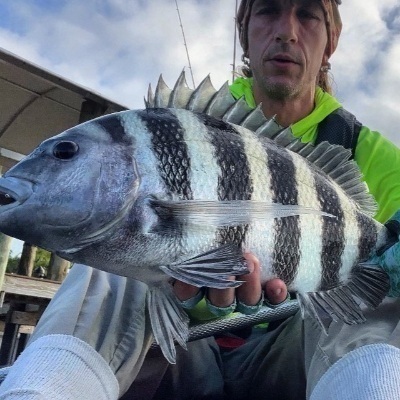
(249, 292)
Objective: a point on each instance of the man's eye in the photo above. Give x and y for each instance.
(267, 11)
(306, 14)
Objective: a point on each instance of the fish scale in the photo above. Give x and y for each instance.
(234, 181)
(178, 194)
(286, 254)
(333, 238)
(174, 161)
(310, 241)
(259, 237)
(368, 236)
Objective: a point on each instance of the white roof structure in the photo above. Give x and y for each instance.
(36, 104)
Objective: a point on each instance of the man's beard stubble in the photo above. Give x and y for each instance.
(277, 91)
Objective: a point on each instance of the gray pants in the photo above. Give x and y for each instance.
(108, 312)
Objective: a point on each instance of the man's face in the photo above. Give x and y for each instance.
(287, 41)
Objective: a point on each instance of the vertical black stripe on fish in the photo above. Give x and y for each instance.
(171, 150)
(368, 236)
(286, 254)
(113, 126)
(333, 237)
(234, 182)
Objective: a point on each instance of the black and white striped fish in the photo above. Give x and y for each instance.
(166, 192)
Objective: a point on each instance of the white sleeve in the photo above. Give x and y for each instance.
(60, 367)
(94, 316)
(369, 372)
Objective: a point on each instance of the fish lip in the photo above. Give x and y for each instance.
(13, 192)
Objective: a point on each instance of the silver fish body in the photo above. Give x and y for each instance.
(160, 193)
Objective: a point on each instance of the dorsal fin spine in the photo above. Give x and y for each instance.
(334, 160)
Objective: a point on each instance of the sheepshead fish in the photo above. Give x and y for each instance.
(178, 190)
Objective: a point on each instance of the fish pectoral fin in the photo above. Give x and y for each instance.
(169, 321)
(226, 213)
(368, 284)
(211, 269)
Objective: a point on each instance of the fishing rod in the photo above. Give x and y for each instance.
(184, 42)
(234, 43)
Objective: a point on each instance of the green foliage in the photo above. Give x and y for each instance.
(12, 265)
(42, 259)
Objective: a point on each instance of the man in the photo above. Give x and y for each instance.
(288, 45)
(289, 66)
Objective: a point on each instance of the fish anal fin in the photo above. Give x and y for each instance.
(368, 284)
(314, 310)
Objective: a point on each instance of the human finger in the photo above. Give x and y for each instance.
(275, 291)
(221, 297)
(250, 292)
(183, 291)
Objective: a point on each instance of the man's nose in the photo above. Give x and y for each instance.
(286, 27)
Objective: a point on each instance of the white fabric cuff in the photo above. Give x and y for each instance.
(60, 367)
(370, 372)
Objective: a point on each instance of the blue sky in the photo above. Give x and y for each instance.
(118, 47)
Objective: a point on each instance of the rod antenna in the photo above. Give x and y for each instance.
(184, 42)
(234, 43)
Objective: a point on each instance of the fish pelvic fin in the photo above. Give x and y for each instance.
(211, 269)
(368, 284)
(169, 322)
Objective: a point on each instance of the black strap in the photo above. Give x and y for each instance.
(340, 127)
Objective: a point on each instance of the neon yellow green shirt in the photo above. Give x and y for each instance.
(377, 157)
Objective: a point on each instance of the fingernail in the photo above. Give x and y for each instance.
(250, 266)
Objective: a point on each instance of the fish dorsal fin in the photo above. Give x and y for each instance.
(206, 99)
(201, 96)
(162, 95)
(334, 160)
(180, 94)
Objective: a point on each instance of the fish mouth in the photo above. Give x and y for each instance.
(14, 192)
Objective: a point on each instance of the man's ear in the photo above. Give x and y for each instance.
(325, 60)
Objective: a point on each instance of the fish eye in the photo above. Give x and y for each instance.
(65, 150)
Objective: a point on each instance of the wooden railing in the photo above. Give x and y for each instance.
(29, 286)
(27, 298)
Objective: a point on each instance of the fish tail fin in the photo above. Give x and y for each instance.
(368, 284)
(169, 321)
